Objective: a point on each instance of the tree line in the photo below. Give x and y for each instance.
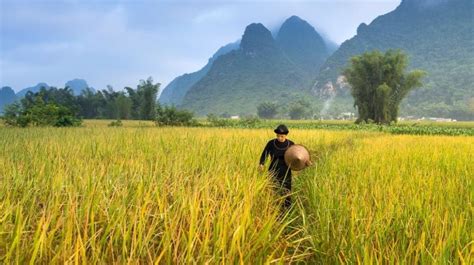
(378, 82)
(139, 103)
(60, 107)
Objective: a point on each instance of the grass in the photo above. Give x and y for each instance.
(142, 194)
(392, 199)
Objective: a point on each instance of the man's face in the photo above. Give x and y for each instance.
(281, 137)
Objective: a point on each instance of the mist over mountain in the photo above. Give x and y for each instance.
(302, 44)
(33, 89)
(262, 69)
(278, 69)
(76, 85)
(174, 92)
(438, 37)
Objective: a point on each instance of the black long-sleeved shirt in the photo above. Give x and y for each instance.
(276, 150)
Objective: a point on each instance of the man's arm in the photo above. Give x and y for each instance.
(264, 155)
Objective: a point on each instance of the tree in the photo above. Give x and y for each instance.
(11, 115)
(110, 108)
(379, 84)
(296, 112)
(124, 106)
(171, 116)
(148, 93)
(51, 115)
(90, 103)
(48, 107)
(299, 110)
(267, 110)
(136, 101)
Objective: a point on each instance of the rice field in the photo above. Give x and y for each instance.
(144, 194)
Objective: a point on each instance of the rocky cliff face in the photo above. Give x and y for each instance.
(438, 37)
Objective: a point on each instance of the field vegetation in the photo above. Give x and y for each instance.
(141, 194)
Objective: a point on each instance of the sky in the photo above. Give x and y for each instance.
(120, 42)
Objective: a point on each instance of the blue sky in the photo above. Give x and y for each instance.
(118, 43)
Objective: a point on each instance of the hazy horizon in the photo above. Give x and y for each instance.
(120, 42)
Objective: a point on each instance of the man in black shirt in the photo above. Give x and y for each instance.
(279, 170)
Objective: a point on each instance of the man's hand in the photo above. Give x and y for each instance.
(260, 168)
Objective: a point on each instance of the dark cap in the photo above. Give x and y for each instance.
(281, 129)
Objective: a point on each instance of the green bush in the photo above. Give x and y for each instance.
(267, 110)
(171, 116)
(40, 114)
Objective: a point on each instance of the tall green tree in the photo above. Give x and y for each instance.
(136, 101)
(90, 103)
(300, 109)
(379, 83)
(110, 109)
(267, 110)
(124, 106)
(148, 93)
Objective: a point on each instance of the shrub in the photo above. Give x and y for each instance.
(267, 110)
(40, 114)
(171, 116)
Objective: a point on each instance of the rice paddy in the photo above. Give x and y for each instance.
(144, 194)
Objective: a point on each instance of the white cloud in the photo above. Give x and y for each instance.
(120, 42)
(215, 15)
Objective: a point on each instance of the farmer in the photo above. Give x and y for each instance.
(280, 172)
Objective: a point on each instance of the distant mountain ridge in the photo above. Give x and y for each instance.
(8, 95)
(33, 89)
(78, 85)
(241, 78)
(263, 68)
(174, 92)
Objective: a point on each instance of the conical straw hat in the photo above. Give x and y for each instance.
(297, 157)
